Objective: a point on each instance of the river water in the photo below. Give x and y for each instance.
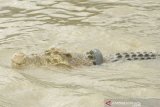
(31, 26)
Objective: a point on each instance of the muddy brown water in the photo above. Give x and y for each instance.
(31, 26)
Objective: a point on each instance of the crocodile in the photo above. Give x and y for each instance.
(52, 56)
(60, 57)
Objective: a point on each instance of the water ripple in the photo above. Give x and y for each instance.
(80, 25)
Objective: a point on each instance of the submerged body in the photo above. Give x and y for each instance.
(59, 57)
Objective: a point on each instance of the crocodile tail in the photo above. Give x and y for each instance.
(132, 56)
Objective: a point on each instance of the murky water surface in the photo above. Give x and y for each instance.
(112, 26)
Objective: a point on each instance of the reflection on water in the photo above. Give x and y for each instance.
(111, 25)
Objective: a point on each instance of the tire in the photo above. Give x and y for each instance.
(98, 57)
